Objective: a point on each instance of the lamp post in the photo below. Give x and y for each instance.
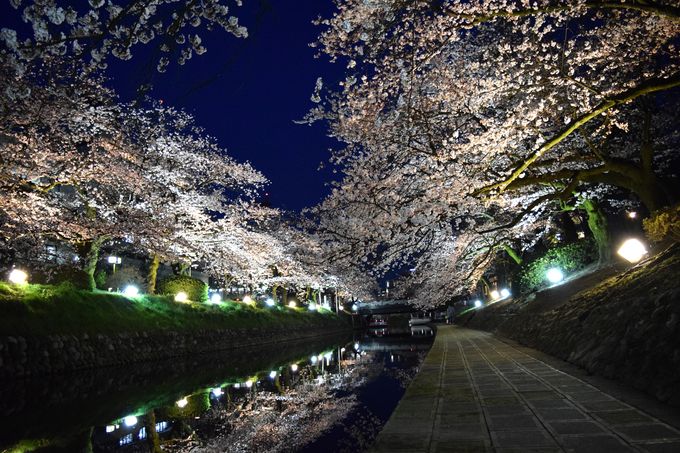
(114, 260)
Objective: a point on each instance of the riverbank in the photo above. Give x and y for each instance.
(52, 329)
(624, 326)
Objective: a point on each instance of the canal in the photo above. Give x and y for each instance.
(329, 394)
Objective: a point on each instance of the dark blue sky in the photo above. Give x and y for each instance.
(247, 93)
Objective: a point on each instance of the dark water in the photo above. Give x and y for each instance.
(325, 395)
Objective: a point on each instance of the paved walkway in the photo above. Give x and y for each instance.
(476, 393)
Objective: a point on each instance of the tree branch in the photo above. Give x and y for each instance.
(650, 86)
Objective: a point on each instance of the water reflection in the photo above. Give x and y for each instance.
(332, 396)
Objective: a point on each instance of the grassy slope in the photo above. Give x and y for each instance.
(43, 309)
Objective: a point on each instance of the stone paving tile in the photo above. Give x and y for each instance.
(574, 427)
(507, 410)
(460, 446)
(551, 403)
(513, 422)
(595, 444)
(648, 431)
(475, 393)
(661, 447)
(521, 439)
(559, 413)
(605, 405)
(529, 450)
(622, 417)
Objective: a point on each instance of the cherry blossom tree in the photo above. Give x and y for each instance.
(484, 117)
(99, 29)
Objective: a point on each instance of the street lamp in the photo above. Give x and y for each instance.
(478, 303)
(18, 277)
(130, 421)
(632, 250)
(131, 291)
(554, 275)
(114, 260)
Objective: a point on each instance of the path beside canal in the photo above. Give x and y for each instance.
(476, 393)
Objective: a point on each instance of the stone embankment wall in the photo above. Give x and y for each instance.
(33, 356)
(627, 327)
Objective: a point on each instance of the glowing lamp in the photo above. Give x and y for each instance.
(632, 250)
(181, 297)
(554, 275)
(505, 292)
(270, 302)
(272, 374)
(478, 303)
(217, 391)
(356, 346)
(182, 403)
(632, 214)
(215, 298)
(248, 300)
(294, 367)
(131, 291)
(114, 259)
(495, 295)
(311, 307)
(18, 277)
(292, 304)
(249, 383)
(110, 428)
(313, 359)
(355, 307)
(130, 420)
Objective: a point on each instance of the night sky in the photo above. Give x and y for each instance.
(248, 92)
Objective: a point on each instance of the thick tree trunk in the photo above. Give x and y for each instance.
(90, 261)
(597, 222)
(285, 296)
(152, 439)
(152, 274)
(275, 289)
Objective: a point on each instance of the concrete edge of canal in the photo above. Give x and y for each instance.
(36, 356)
